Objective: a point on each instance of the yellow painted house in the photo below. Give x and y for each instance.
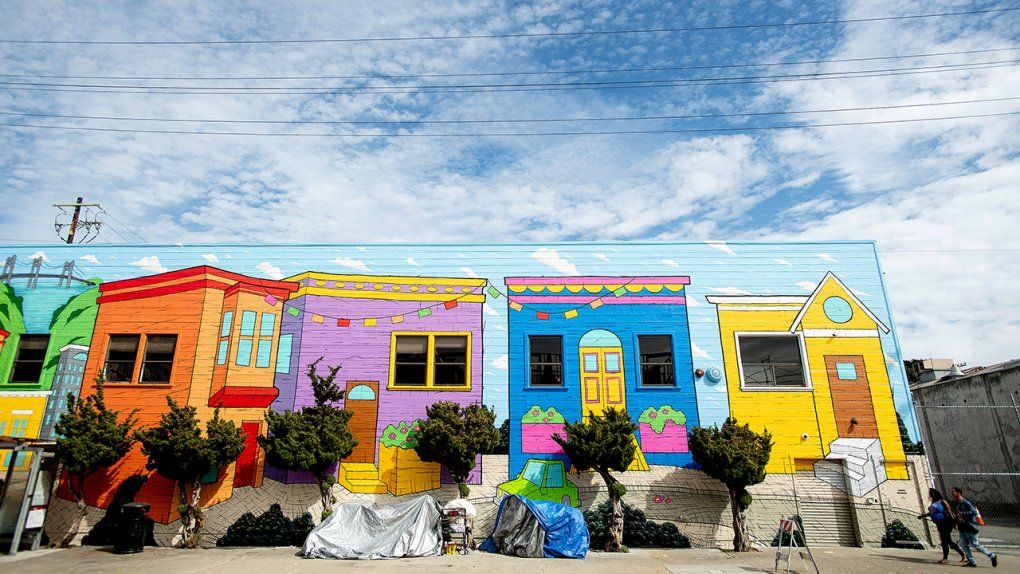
(812, 371)
(21, 415)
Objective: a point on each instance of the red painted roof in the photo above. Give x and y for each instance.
(204, 277)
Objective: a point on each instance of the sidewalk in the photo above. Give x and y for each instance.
(283, 560)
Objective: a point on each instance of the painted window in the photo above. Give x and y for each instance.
(283, 352)
(430, 361)
(656, 354)
(837, 309)
(266, 326)
(246, 341)
(546, 360)
(228, 323)
(120, 358)
(554, 476)
(247, 323)
(221, 353)
(158, 359)
(19, 427)
(262, 355)
(846, 371)
(771, 361)
(591, 362)
(533, 472)
(243, 352)
(612, 362)
(28, 362)
(224, 346)
(3, 428)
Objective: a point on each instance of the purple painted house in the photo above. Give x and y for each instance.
(403, 343)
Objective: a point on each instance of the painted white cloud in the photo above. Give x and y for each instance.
(730, 290)
(502, 362)
(489, 310)
(411, 261)
(270, 270)
(469, 272)
(671, 263)
(827, 257)
(39, 255)
(783, 262)
(150, 263)
(211, 258)
(699, 353)
(693, 302)
(359, 248)
(806, 285)
(601, 257)
(91, 259)
(357, 264)
(550, 257)
(499, 327)
(721, 246)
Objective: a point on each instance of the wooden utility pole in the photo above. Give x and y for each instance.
(74, 220)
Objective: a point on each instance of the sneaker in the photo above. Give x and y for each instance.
(970, 565)
(995, 561)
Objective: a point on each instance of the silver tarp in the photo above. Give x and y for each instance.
(367, 531)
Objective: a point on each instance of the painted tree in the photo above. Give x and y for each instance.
(454, 435)
(177, 450)
(604, 443)
(90, 437)
(736, 456)
(314, 438)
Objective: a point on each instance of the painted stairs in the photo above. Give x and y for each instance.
(361, 477)
(853, 464)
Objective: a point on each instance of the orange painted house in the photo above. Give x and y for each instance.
(203, 336)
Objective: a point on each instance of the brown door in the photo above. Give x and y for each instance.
(362, 399)
(851, 396)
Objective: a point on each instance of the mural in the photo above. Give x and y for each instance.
(796, 338)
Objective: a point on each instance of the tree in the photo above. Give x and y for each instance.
(178, 451)
(909, 446)
(455, 435)
(604, 443)
(736, 456)
(90, 437)
(314, 438)
(503, 446)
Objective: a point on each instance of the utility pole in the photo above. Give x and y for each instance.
(76, 220)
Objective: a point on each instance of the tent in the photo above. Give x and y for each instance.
(367, 531)
(537, 529)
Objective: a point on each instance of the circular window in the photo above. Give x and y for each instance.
(837, 309)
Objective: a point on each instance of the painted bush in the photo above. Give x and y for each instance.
(538, 426)
(663, 429)
(399, 466)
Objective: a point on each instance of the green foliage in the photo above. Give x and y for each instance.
(177, 449)
(603, 443)
(111, 528)
(658, 417)
(455, 435)
(782, 537)
(537, 414)
(897, 535)
(91, 436)
(909, 446)
(503, 446)
(617, 489)
(271, 528)
(403, 435)
(734, 455)
(638, 531)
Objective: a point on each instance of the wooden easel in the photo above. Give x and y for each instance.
(790, 527)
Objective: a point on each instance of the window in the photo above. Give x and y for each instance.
(554, 476)
(19, 428)
(283, 351)
(29, 361)
(246, 341)
(656, 353)
(120, 358)
(224, 346)
(846, 371)
(158, 359)
(434, 360)
(771, 361)
(266, 329)
(546, 360)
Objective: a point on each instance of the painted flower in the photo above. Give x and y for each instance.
(535, 412)
(668, 500)
(416, 429)
(665, 410)
(653, 414)
(545, 420)
(393, 436)
(657, 499)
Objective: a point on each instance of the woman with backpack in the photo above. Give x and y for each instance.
(941, 513)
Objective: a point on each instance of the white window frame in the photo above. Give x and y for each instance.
(808, 385)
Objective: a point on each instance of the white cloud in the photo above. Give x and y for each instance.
(91, 259)
(721, 246)
(469, 272)
(807, 285)
(351, 263)
(211, 258)
(601, 257)
(730, 291)
(411, 261)
(489, 310)
(39, 255)
(502, 362)
(150, 263)
(550, 257)
(179, 244)
(499, 327)
(270, 270)
(783, 262)
(359, 248)
(692, 301)
(671, 263)
(699, 353)
(827, 257)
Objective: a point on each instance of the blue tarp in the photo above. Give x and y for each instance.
(564, 529)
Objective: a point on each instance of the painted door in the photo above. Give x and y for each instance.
(602, 382)
(362, 400)
(851, 396)
(247, 463)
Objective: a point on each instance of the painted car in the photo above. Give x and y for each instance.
(542, 480)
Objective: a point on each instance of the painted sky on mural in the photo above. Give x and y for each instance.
(715, 268)
(919, 189)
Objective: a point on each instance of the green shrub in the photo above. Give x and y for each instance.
(897, 535)
(271, 528)
(638, 531)
(782, 537)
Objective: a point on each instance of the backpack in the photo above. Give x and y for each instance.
(937, 512)
(978, 519)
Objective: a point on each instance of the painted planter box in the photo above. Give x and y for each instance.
(404, 473)
(663, 430)
(538, 426)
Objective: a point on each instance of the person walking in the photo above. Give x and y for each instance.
(941, 513)
(966, 516)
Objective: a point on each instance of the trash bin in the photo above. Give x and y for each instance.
(132, 526)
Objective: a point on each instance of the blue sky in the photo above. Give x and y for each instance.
(937, 196)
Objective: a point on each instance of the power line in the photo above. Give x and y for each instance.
(125, 226)
(507, 35)
(521, 73)
(509, 134)
(508, 120)
(519, 87)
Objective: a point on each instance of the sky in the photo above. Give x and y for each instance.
(939, 197)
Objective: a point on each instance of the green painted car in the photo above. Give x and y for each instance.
(542, 480)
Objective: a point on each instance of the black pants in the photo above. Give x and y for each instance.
(945, 528)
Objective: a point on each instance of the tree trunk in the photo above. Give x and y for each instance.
(615, 539)
(741, 541)
(81, 510)
(325, 494)
(191, 519)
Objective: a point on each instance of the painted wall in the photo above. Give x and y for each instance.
(348, 303)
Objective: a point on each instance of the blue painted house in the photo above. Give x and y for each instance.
(579, 345)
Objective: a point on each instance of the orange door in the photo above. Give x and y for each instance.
(244, 471)
(362, 399)
(851, 396)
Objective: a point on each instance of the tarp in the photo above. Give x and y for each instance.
(537, 529)
(367, 531)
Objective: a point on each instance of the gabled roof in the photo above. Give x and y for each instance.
(849, 293)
